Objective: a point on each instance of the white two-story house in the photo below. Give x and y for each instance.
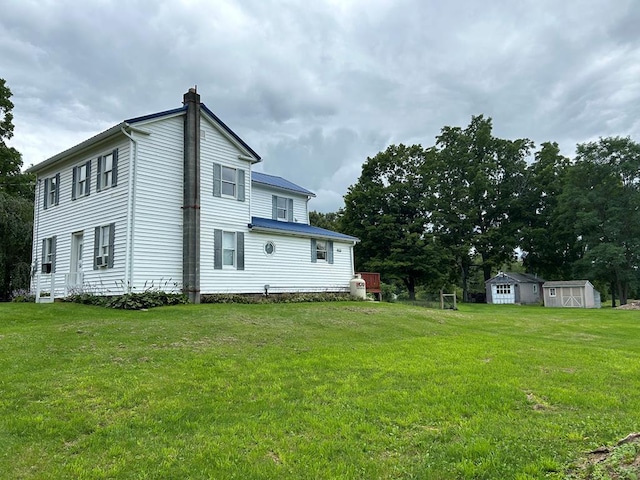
(170, 201)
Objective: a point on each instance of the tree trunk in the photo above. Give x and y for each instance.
(623, 288)
(613, 295)
(410, 283)
(465, 281)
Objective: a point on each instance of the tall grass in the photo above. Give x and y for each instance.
(349, 390)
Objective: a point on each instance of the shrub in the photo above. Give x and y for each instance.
(276, 298)
(22, 296)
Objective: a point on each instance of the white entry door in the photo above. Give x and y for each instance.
(77, 247)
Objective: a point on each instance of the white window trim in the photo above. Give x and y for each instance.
(552, 292)
(234, 183)
(320, 250)
(273, 247)
(284, 209)
(234, 249)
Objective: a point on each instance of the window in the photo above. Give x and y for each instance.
(49, 255)
(282, 208)
(552, 292)
(228, 182)
(103, 246)
(107, 170)
(51, 191)
(228, 250)
(535, 288)
(503, 289)
(269, 248)
(321, 251)
(81, 180)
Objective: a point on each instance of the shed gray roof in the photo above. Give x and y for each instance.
(566, 283)
(517, 277)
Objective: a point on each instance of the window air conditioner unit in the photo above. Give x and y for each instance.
(102, 261)
(46, 267)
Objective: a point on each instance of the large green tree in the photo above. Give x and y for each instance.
(476, 204)
(330, 221)
(601, 200)
(387, 210)
(547, 239)
(16, 206)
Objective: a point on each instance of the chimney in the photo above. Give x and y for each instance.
(191, 198)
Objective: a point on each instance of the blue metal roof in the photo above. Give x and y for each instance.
(280, 183)
(151, 116)
(298, 229)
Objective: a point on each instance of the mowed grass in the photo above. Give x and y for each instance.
(312, 391)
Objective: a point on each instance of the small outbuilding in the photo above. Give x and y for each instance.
(571, 294)
(514, 288)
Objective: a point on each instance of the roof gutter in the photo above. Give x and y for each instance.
(290, 233)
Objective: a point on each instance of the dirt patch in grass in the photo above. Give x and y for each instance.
(621, 461)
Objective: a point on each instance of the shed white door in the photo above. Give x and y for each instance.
(503, 293)
(572, 297)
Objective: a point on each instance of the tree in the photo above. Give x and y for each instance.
(329, 221)
(547, 239)
(16, 206)
(476, 203)
(601, 200)
(386, 209)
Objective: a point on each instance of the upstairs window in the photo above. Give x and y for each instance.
(81, 180)
(282, 208)
(51, 191)
(103, 246)
(107, 170)
(49, 255)
(228, 182)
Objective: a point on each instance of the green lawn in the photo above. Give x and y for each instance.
(312, 391)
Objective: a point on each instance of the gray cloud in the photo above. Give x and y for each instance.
(316, 87)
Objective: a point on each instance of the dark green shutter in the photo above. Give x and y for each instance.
(112, 238)
(74, 183)
(240, 250)
(46, 193)
(114, 168)
(87, 184)
(274, 207)
(43, 255)
(330, 251)
(53, 254)
(57, 188)
(96, 247)
(217, 180)
(290, 209)
(99, 177)
(314, 254)
(217, 249)
(240, 174)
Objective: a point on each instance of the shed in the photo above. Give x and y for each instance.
(571, 294)
(514, 288)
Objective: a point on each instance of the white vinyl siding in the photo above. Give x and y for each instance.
(157, 214)
(287, 269)
(75, 216)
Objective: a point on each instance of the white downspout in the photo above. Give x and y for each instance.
(133, 155)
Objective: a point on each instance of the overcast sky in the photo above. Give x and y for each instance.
(315, 87)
